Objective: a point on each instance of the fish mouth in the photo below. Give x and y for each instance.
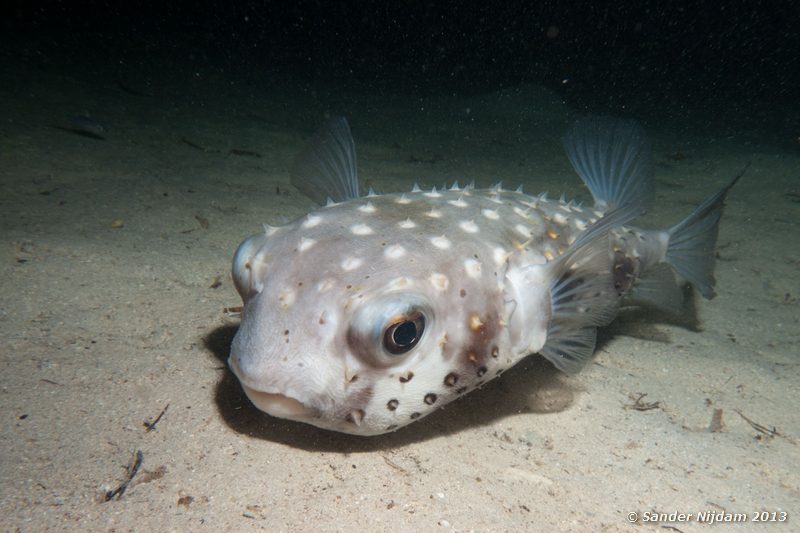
(279, 405)
(273, 403)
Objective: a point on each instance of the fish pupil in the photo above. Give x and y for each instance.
(401, 336)
(405, 334)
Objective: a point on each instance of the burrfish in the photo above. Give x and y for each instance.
(374, 310)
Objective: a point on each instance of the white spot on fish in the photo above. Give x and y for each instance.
(439, 281)
(399, 283)
(305, 244)
(402, 200)
(491, 214)
(394, 251)
(361, 229)
(580, 224)
(521, 212)
(458, 203)
(407, 224)
(473, 267)
(286, 297)
(560, 219)
(270, 230)
(523, 230)
(469, 226)
(312, 221)
(434, 213)
(533, 205)
(367, 208)
(351, 263)
(500, 256)
(325, 285)
(433, 193)
(441, 242)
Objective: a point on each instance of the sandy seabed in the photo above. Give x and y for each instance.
(115, 264)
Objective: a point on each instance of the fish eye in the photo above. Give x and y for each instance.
(403, 332)
(383, 331)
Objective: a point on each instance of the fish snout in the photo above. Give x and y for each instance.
(274, 403)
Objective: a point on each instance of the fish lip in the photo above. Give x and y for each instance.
(284, 406)
(274, 403)
(280, 405)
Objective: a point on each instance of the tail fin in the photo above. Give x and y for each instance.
(691, 242)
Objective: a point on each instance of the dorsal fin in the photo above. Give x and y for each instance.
(326, 168)
(613, 158)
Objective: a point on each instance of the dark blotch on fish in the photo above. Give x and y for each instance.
(451, 379)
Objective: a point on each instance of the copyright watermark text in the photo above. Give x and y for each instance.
(707, 517)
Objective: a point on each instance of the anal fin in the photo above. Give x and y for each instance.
(569, 349)
(658, 289)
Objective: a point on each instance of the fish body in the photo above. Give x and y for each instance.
(371, 312)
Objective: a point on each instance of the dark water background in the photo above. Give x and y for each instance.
(730, 67)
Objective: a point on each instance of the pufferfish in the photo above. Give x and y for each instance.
(373, 311)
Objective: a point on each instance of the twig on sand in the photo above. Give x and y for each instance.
(133, 468)
(769, 432)
(150, 426)
(639, 405)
